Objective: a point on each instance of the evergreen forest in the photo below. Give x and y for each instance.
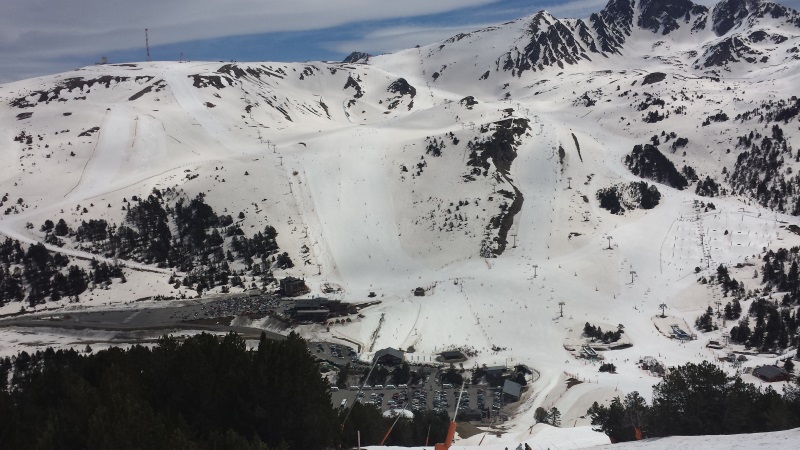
(206, 392)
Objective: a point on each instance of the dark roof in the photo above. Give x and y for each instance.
(512, 388)
(500, 369)
(389, 352)
(313, 303)
(452, 354)
(770, 372)
(313, 311)
(470, 414)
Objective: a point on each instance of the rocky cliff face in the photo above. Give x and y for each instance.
(549, 41)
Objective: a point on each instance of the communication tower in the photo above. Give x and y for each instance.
(147, 43)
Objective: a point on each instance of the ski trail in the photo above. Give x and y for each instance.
(105, 167)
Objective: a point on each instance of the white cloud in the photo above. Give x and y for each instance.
(399, 38)
(393, 39)
(41, 36)
(578, 9)
(33, 32)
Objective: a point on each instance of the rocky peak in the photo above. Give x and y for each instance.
(729, 14)
(664, 16)
(618, 13)
(612, 25)
(356, 57)
(540, 22)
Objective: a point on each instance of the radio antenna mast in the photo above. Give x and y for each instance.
(147, 43)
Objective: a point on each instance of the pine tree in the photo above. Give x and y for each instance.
(61, 228)
(554, 417)
(540, 415)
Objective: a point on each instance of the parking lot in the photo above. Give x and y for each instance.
(213, 314)
(337, 354)
(428, 396)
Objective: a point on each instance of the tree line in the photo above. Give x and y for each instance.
(760, 171)
(36, 275)
(207, 392)
(170, 231)
(597, 333)
(698, 399)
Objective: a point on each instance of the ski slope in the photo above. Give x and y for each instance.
(337, 160)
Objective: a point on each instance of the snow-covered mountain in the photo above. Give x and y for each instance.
(481, 168)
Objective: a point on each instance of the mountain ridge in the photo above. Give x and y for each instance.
(594, 161)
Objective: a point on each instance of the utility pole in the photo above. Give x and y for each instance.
(561, 308)
(147, 43)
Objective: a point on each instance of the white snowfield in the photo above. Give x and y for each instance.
(580, 439)
(331, 158)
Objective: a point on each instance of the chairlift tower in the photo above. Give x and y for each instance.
(561, 308)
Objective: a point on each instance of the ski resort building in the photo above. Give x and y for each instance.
(292, 287)
(319, 309)
(512, 389)
(771, 374)
(389, 357)
(452, 356)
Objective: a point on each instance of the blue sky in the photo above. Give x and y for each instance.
(336, 42)
(39, 37)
